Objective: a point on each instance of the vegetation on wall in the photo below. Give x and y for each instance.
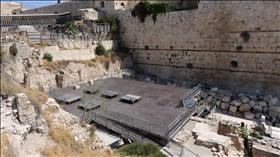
(70, 27)
(239, 47)
(100, 50)
(48, 57)
(245, 35)
(141, 149)
(145, 8)
(186, 5)
(112, 21)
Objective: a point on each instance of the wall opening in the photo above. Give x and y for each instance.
(234, 63)
(102, 4)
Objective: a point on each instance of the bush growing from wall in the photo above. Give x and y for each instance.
(100, 50)
(70, 27)
(48, 57)
(145, 8)
(112, 21)
(141, 149)
(245, 35)
(186, 5)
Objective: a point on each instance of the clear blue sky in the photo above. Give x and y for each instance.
(28, 4)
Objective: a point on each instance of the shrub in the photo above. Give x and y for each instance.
(70, 27)
(145, 8)
(141, 149)
(255, 134)
(100, 50)
(112, 21)
(48, 57)
(245, 35)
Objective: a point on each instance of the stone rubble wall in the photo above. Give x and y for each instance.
(27, 66)
(202, 45)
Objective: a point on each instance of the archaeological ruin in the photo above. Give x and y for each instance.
(140, 78)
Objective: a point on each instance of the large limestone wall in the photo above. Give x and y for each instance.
(200, 45)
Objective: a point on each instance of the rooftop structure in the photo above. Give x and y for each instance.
(155, 116)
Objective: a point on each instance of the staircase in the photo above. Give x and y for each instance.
(188, 101)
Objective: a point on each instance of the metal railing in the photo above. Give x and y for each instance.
(190, 95)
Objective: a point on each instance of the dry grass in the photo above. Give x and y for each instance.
(11, 87)
(39, 45)
(66, 145)
(57, 65)
(6, 148)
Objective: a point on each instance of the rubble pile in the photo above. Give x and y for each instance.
(19, 117)
(81, 133)
(243, 105)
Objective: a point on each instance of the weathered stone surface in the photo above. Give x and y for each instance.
(232, 109)
(91, 82)
(245, 100)
(262, 104)
(257, 108)
(249, 115)
(252, 103)
(245, 108)
(209, 99)
(226, 99)
(236, 103)
(267, 98)
(265, 109)
(274, 111)
(203, 94)
(76, 87)
(214, 89)
(274, 101)
(218, 103)
(225, 106)
(253, 97)
(26, 111)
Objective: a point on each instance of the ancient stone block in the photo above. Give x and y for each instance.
(232, 109)
(225, 106)
(26, 111)
(245, 108)
(249, 115)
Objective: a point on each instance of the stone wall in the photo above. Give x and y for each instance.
(205, 45)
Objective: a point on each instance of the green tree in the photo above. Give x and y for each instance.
(145, 8)
(141, 149)
(70, 27)
(100, 50)
(48, 57)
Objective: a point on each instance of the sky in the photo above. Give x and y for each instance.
(29, 4)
